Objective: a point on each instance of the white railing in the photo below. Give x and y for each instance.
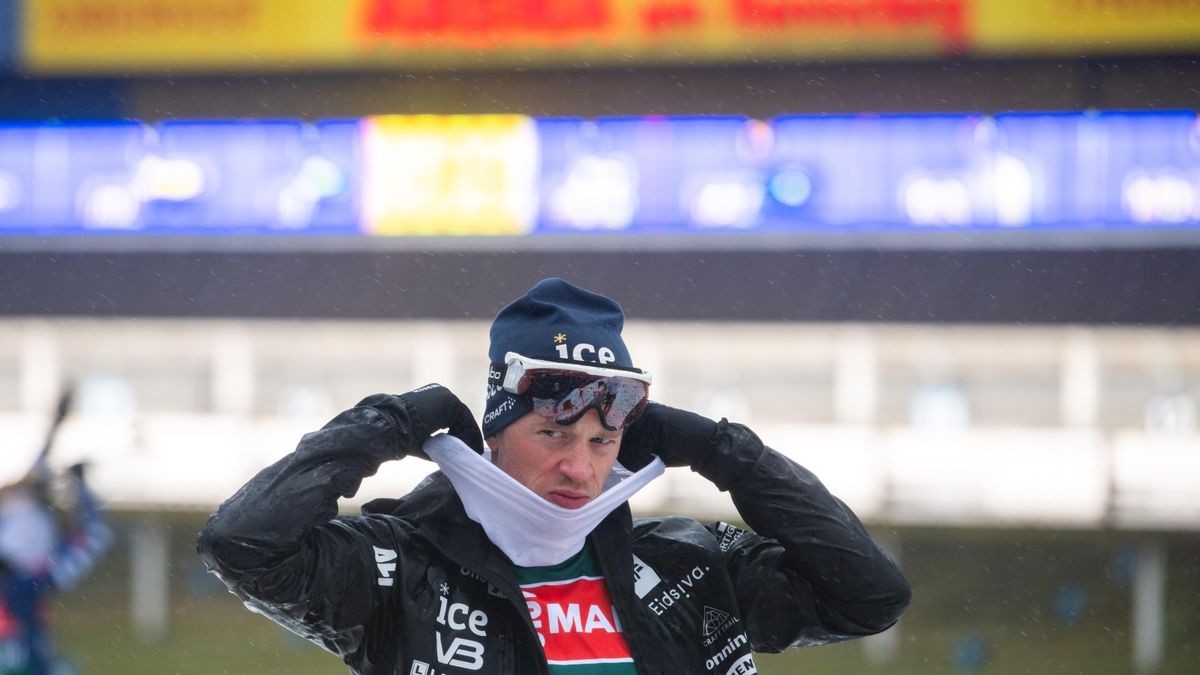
(976, 476)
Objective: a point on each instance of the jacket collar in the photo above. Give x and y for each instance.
(436, 511)
(433, 507)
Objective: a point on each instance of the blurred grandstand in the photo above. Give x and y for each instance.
(944, 252)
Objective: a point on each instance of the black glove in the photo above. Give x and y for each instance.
(678, 437)
(434, 407)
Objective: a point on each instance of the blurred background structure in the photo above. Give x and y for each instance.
(944, 252)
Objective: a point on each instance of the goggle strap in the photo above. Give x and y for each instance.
(517, 365)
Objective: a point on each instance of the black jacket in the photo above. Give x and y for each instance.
(413, 581)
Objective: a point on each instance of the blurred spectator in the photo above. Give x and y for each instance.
(43, 549)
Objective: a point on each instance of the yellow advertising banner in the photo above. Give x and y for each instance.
(119, 36)
(113, 36)
(116, 36)
(1085, 27)
(449, 174)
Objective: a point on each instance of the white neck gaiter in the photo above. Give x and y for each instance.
(531, 531)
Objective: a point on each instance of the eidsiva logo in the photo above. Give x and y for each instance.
(602, 355)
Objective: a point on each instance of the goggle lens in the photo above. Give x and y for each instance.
(564, 396)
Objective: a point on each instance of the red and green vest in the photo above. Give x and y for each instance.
(574, 617)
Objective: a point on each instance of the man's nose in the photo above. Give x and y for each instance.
(575, 464)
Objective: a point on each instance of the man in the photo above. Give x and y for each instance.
(525, 559)
(39, 557)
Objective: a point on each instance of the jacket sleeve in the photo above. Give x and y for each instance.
(85, 543)
(809, 573)
(278, 544)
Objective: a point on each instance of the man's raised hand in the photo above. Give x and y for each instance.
(435, 407)
(678, 437)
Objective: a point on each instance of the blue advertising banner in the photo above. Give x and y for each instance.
(650, 174)
(179, 178)
(873, 172)
(75, 179)
(396, 177)
(1104, 170)
(253, 177)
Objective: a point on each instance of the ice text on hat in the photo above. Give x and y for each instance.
(603, 355)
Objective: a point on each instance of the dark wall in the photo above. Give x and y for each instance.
(1144, 286)
(68, 99)
(762, 90)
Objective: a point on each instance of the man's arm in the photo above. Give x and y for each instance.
(810, 573)
(276, 542)
(88, 538)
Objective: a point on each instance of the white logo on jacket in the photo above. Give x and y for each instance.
(460, 651)
(385, 562)
(644, 578)
(677, 592)
(729, 535)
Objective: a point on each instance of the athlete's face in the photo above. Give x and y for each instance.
(563, 464)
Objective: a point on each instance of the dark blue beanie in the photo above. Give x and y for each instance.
(554, 321)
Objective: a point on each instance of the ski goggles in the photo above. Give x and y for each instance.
(563, 392)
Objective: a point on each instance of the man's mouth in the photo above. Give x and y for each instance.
(569, 499)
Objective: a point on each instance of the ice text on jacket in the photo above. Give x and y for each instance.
(460, 651)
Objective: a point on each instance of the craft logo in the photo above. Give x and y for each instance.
(714, 620)
(500, 410)
(716, 623)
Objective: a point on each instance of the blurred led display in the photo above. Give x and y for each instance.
(1112, 169)
(179, 177)
(516, 175)
(267, 176)
(1153, 174)
(850, 172)
(651, 173)
(50, 174)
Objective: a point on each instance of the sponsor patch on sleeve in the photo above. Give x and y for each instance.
(728, 535)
